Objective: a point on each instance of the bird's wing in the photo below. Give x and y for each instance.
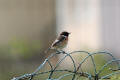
(58, 40)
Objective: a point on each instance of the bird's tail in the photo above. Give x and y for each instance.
(46, 51)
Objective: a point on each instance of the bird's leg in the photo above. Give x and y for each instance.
(58, 51)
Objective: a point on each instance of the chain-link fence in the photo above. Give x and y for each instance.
(75, 71)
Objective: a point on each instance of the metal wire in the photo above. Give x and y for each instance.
(75, 70)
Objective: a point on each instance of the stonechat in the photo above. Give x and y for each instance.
(60, 42)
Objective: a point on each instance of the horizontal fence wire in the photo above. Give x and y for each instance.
(76, 69)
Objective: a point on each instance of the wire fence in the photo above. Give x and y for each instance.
(76, 68)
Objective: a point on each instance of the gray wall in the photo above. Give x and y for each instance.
(110, 11)
(28, 19)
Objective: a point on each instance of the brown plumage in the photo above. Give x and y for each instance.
(61, 41)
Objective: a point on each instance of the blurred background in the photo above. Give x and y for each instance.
(28, 27)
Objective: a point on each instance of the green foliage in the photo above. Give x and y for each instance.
(20, 48)
(116, 77)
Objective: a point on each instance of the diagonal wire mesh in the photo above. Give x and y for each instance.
(76, 68)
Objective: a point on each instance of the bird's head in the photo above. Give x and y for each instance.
(65, 33)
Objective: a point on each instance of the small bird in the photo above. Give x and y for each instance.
(60, 42)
